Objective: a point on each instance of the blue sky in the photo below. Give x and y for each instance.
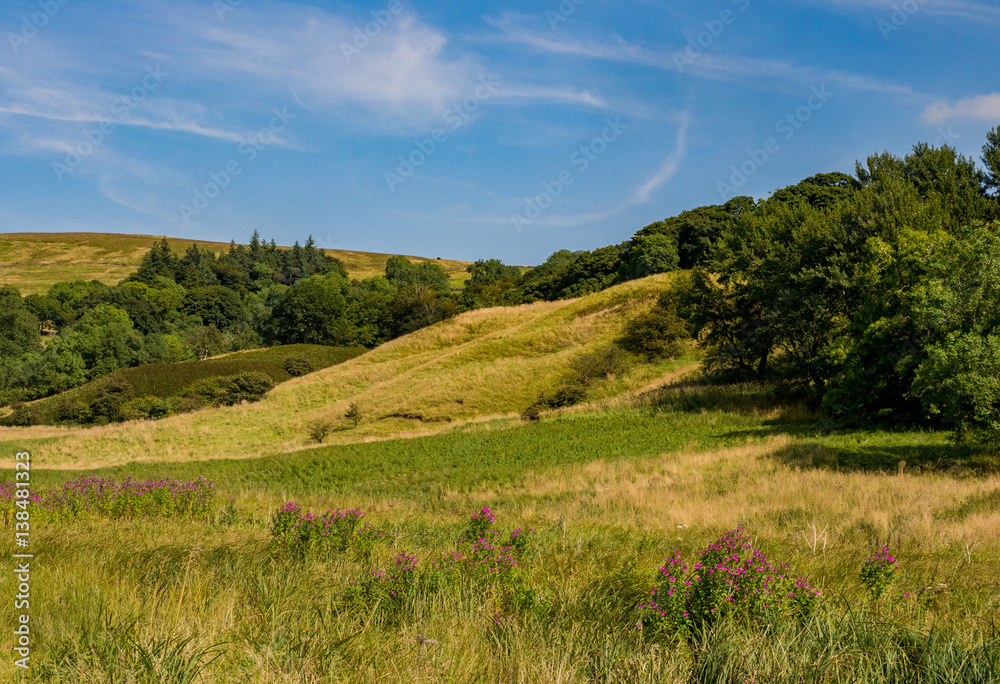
(463, 130)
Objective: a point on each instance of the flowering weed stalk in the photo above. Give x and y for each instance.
(299, 531)
(731, 577)
(483, 551)
(879, 571)
(91, 495)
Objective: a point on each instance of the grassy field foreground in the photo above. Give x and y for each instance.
(608, 494)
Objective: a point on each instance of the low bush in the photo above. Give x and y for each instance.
(115, 393)
(604, 363)
(660, 333)
(147, 408)
(297, 365)
(300, 532)
(319, 429)
(230, 390)
(567, 395)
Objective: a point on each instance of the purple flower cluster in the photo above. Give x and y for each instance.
(402, 575)
(297, 530)
(731, 576)
(485, 549)
(879, 571)
(131, 498)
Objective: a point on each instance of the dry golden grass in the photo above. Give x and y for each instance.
(491, 362)
(33, 262)
(711, 490)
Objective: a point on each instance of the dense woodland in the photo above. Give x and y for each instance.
(875, 296)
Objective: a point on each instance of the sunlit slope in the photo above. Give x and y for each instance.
(34, 261)
(492, 362)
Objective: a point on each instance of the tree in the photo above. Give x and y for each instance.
(20, 330)
(400, 272)
(959, 381)
(649, 254)
(370, 311)
(215, 305)
(319, 429)
(991, 159)
(106, 340)
(207, 341)
(489, 271)
(418, 306)
(159, 261)
(354, 414)
(660, 332)
(313, 311)
(48, 310)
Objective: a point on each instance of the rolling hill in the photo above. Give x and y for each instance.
(33, 262)
(490, 363)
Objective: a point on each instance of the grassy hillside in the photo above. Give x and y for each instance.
(486, 363)
(34, 261)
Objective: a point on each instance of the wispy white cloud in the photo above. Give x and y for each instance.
(980, 107)
(60, 101)
(706, 65)
(639, 195)
(971, 11)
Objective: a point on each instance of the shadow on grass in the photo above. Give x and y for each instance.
(827, 445)
(948, 459)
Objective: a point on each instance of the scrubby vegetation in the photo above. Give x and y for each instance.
(160, 390)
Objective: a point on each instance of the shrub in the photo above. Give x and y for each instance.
(603, 363)
(191, 402)
(232, 389)
(567, 395)
(88, 495)
(146, 408)
(247, 387)
(354, 414)
(24, 415)
(485, 552)
(318, 430)
(297, 365)
(660, 333)
(113, 396)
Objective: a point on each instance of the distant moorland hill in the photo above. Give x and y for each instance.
(33, 262)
